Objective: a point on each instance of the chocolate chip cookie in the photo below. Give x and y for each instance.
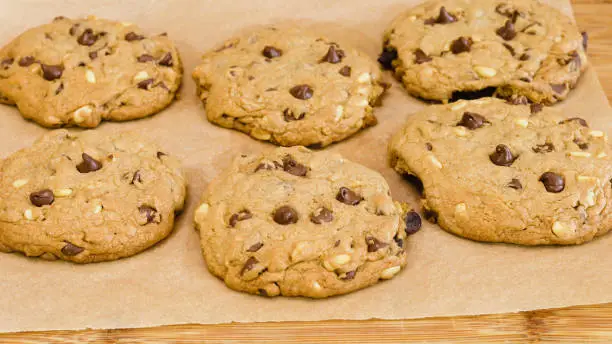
(523, 174)
(519, 49)
(80, 72)
(290, 87)
(299, 223)
(88, 197)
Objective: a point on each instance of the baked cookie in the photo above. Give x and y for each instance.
(299, 223)
(497, 172)
(80, 72)
(520, 49)
(88, 197)
(290, 87)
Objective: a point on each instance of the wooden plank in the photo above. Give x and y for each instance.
(568, 325)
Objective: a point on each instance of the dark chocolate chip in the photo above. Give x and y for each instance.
(160, 154)
(302, 92)
(71, 249)
(398, 241)
(580, 121)
(387, 57)
(52, 72)
(472, 120)
(515, 184)
(375, 244)
(73, 29)
(518, 100)
(26, 61)
(293, 167)
(558, 88)
(524, 57)
(262, 292)
(421, 57)
(271, 52)
(136, 178)
(9, 61)
(81, 64)
(42, 197)
(429, 146)
(48, 35)
(413, 222)
(345, 71)
(502, 156)
(349, 275)
(553, 182)
(255, 247)
(536, 107)
(93, 55)
(585, 40)
(333, 55)
(581, 144)
(265, 166)
(507, 31)
(249, 265)
(145, 84)
(321, 215)
(150, 213)
(240, 216)
(510, 48)
(87, 38)
(88, 164)
(443, 18)
(285, 215)
(290, 117)
(348, 196)
(166, 60)
(132, 36)
(544, 148)
(461, 45)
(145, 58)
(59, 89)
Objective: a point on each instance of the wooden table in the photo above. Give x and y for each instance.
(569, 325)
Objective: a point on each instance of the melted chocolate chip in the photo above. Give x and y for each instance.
(507, 31)
(42, 197)
(558, 88)
(515, 184)
(345, 71)
(472, 120)
(321, 215)
(136, 178)
(132, 36)
(145, 84)
(581, 144)
(413, 222)
(420, 57)
(510, 48)
(303, 92)
(145, 58)
(461, 45)
(580, 121)
(387, 57)
(535, 108)
(52, 72)
(271, 52)
(375, 244)
(585, 40)
(71, 249)
(87, 38)
(150, 213)
(285, 215)
(166, 60)
(349, 275)
(502, 156)
(347, 196)
(443, 18)
(553, 182)
(88, 164)
(26, 61)
(74, 29)
(333, 55)
(249, 265)
(290, 117)
(240, 216)
(293, 167)
(255, 247)
(543, 148)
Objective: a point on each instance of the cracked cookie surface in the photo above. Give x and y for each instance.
(88, 197)
(294, 222)
(290, 87)
(521, 49)
(497, 172)
(80, 72)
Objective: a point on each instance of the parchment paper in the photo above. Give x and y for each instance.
(169, 284)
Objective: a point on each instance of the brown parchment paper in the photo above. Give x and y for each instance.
(169, 284)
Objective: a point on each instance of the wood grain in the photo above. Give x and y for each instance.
(568, 325)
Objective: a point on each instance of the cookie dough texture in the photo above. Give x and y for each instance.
(519, 174)
(290, 87)
(297, 223)
(521, 48)
(88, 197)
(80, 72)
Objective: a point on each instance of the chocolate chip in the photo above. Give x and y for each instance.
(398, 241)
(375, 244)
(580, 121)
(461, 45)
(42, 197)
(87, 38)
(429, 146)
(443, 18)
(132, 36)
(9, 61)
(240, 216)
(518, 100)
(255, 247)
(48, 36)
(271, 52)
(558, 88)
(472, 120)
(88, 164)
(290, 117)
(166, 60)
(262, 292)
(302, 92)
(285, 215)
(150, 213)
(507, 31)
(145, 58)
(502, 156)
(293, 167)
(59, 89)
(387, 57)
(421, 57)
(543, 148)
(333, 55)
(52, 72)
(26, 61)
(585, 40)
(515, 184)
(145, 84)
(71, 249)
(74, 29)
(413, 222)
(349, 275)
(136, 178)
(535, 108)
(345, 71)
(510, 48)
(93, 55)
(265, 166)
(581, 144)
(59, 18)
(553, 182)
(160, 154)
(249, 265)
(321, 215)
(347, 196)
